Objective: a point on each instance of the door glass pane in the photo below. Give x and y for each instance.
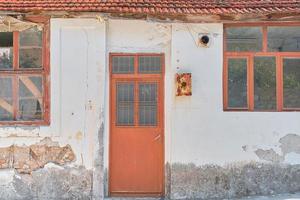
(148, 104)
(6, 50)
(6, 101)
(244, 39)
(30, 98)
(150, 64)
(284, 39)
(123, 64)
(31, 48)
(125, 104)
(265, 83)
(237, 83)
(291, 82)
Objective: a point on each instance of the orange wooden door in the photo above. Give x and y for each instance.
(136, 130)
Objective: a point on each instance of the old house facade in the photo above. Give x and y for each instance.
(175, 99)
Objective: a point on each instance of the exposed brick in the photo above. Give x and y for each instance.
(26, 159)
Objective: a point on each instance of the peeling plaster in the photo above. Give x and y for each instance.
(269, 155)
(290, 143)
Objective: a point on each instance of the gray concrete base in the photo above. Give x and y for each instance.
(272, 197)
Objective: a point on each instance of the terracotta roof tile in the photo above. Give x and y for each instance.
(155, 6)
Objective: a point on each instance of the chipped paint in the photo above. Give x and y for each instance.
(269, 155)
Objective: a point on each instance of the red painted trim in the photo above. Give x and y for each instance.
(145, 78)
(250, 75)
(250, 81)
(44, 72)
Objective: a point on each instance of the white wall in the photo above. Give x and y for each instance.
(196, 128)
(78, 72)
(138, 36)
(202, 133)
(77, 68)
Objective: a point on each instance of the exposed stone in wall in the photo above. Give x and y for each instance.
(50, 184)
(215, 182)
(25, 159)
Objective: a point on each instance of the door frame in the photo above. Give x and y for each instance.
(162, 93)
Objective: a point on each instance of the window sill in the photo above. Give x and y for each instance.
(24, 123)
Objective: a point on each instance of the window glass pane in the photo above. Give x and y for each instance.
(6, 50)
(125, 104)
(6, 58)
(265, 83)
(148, 104)
(244, 39)
(6, 101)
(31, 48)
(237, 83)
(31, 37)
(31, 58)
(284, 38)
(291, 82)
(123, 64)
(30, 98)
(150, 64)
(6, 39)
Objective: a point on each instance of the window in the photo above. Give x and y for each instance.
(262, 67)
(136, 81)
(24, 76)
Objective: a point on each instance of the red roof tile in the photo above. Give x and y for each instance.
(155, 6)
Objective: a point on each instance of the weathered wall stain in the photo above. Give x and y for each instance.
(269, 155)
(25, 159)
(189, 181)
(99, 180)
(290, 143)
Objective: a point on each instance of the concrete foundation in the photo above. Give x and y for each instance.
(233, 181)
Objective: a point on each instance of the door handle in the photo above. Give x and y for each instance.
(157, 137)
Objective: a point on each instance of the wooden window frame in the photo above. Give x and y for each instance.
(44, 72)
(250, 67)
